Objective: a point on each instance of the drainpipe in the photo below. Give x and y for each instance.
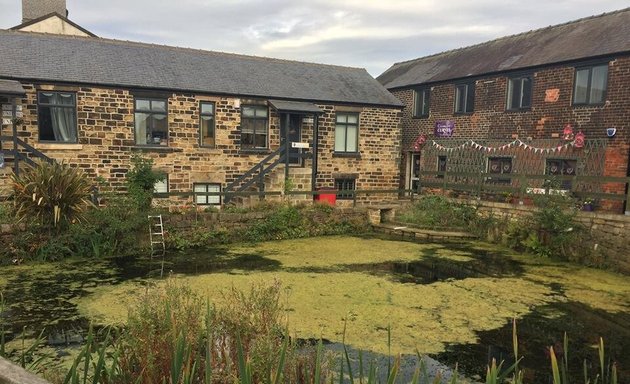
(315, 148)
(16, 167)
(286, 149)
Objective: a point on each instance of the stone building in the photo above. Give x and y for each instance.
(211, 121)
(521, 105)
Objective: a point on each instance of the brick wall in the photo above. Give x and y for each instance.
(106, 141)
(551, 110)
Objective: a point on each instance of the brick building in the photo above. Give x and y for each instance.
(503, 107)
(206, 118)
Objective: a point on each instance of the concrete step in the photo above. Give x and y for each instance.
(423, 234)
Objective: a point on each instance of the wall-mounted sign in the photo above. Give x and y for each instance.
(299, 145)
(307, 120)
(7, 113)
(6, 121)
(444, 128)
(7, 107)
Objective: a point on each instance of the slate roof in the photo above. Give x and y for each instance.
(56, 58)
(590, 37)
(11, 88)
(48, 16)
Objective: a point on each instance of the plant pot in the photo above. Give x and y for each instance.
(587, 207)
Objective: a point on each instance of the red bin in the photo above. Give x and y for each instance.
(329, 196)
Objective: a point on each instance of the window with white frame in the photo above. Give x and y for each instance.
(202, 198)
(161, 186)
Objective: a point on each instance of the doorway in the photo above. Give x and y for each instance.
(413, 171)
(295, 136)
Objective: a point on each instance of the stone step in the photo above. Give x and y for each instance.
(423, 234)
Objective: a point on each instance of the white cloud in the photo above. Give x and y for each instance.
(361, 33)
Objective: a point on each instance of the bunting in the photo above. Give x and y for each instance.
(516, 143)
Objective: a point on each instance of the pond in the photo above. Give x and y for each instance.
(452, 301)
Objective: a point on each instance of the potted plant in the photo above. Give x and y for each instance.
(587, 204)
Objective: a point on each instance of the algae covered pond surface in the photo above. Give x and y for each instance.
(452, 301)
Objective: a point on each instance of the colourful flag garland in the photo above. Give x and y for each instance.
(516, 143)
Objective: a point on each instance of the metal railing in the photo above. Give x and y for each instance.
(20, 152)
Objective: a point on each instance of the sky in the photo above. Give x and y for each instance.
(357, 33)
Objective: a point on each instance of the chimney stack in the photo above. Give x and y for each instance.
(32, 9)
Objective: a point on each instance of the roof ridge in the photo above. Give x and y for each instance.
(531, 31)
(173, 47)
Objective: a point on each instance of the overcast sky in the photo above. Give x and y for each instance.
(359, 33)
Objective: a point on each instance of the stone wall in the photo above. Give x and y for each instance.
(213, 221)
(551, 110)
(106, 142)
(607, 242)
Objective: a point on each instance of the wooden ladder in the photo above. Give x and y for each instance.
(156, 236)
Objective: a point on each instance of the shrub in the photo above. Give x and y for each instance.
(51, 194)
(112, 230)
(550, 231)
(290, 222)
(438, 211)
(141, 179)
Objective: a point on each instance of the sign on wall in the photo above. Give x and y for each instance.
(7, 113)
(444, 128)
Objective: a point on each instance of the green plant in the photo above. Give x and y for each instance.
(51, 193)
(141, 179)
(438, 211)
(5, 213)
(111, 230)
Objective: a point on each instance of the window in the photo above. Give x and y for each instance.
(519, 93)
(499, 166)
(561, 167)
(206, 124)
(151, 121)
(254, 126)
(347, 132)
(57, 117)
(590, 84)
(421, 98)
(161, 186)
(465, 98)
(441, 166)
(202, 188)
(344, 185)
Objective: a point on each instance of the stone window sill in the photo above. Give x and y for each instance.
(262, 151)
(156, 148)
(59, 146)
(349, 155)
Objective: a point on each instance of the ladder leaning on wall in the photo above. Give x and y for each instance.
(156, 236)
